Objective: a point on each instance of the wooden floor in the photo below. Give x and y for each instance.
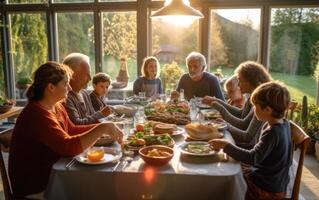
(309, 186)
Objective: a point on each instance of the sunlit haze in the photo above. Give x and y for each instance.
(241, 16)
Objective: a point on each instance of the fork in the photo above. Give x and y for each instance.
(69, 164)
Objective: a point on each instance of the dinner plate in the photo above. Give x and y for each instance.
(220, 123)
(211, 114)
(179, 131)
(110, 155)
(183, 148)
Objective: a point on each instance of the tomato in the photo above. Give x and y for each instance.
(140, 142)
(139, 127)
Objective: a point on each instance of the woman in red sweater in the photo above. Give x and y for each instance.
(44, 133)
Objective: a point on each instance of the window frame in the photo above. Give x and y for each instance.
(142, 8)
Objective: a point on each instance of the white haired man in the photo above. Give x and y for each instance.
(78, 103)
(197, 82)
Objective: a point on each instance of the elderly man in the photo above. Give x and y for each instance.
(78, 103)
(197, 82)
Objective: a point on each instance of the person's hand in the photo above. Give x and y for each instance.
(209, 100)
(106, 111)
(218, 144)
(114, 132)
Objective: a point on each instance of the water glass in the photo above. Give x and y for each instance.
(163, 97)
(168, 95)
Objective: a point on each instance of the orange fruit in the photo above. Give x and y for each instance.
(139, 127)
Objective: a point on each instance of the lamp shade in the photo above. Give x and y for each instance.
(177, 8)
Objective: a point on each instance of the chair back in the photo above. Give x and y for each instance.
(291, 109)
(5, 179)
(300, 140)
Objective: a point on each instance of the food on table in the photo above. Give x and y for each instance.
(212, 114)
(140, 142)
(139, 127)
(158, 153)
(202, 131)
(173, 112)
(95, 154)
(219, 123)
(175, 95)
(140, 139)
(162, 128)
(198, 148)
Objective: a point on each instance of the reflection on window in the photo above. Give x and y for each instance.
(76, 34)
(234, 38)
(28, 46)
(294, 49)
(119, 41)
(173, 38)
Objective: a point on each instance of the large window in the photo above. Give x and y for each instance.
(234, 38)
(76, 34)
(294, 49)
(119, 41)
(28, 46)
(173, 38)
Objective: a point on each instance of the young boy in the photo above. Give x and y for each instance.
(271, 157)
(101, 83)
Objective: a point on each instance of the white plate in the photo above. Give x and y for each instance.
(179, 131)
(109, 156)
(185, 145)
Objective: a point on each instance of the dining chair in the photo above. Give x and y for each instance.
(5, 140)
(5, 179)
(300, 140)
(291, 109)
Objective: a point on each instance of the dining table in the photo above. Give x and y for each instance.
(184, 177)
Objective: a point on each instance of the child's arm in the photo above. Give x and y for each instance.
(256, 155)
(246, 136)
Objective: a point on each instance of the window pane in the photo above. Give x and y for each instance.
(26, 1)
(234, 38)
(76, 34)
(28, 46)
(119, 41)
(173, 38)
(294, 49)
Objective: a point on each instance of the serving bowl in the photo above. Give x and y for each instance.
(156, 160)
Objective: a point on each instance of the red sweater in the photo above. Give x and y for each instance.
(40, 138)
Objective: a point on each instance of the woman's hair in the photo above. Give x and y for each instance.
(231, 82)
(146, 61)
(272, 94)
(253, 72)
(197, 56)
(50, 72)
(101, 77)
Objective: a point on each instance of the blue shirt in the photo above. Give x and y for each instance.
(270, 158)
(208, 85)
